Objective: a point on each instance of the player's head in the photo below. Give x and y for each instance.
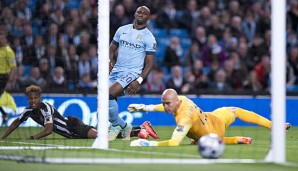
(142, 15)
(170, 101)
(33, 96)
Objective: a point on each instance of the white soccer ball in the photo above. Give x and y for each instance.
(211, 146)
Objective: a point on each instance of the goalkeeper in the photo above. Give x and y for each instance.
(192, 122)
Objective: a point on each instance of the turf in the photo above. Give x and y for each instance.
(121, 149)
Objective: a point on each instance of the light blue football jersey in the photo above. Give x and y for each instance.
(133, 45)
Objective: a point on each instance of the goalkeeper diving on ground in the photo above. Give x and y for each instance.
(47, 116)
(192, 122)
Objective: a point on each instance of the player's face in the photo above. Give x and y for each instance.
(34, 100)
(142, 15)
(170, 104)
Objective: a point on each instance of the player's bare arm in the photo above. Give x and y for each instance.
(15, 124)
(113, 49)
(48, 129)
(148, 65)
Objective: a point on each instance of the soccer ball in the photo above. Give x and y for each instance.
(211, 146)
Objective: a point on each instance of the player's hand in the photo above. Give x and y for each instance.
(133, 88)
(111, 67)
(136, 108)
(142, 142)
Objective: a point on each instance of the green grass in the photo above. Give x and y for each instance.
(257, 150)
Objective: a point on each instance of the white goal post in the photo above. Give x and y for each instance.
(103, 28)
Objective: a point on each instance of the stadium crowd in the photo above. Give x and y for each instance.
(202, 45)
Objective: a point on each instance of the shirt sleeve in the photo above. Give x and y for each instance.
(116, 37)
(150, 46)
(48, 117)
(178, 135)
(24, 115)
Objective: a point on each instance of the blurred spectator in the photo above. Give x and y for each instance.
(292, 40)
(256, 50)
(249, 26)
(39, 46)
(19, 80)
(154, 81)
(173, 53)
(201, 79)
(54, 60)
(167, 16)
(52, 36)
(84, 42)
(42, 17)
(292, 15)
(215, 27)
(189, 15)
(213, 52)
(85, 83)
(22, 11)
(92, 55)
(28, 39)
(72, 71)
(262, 70)
(16, 30)
(18, 49)
(204, 18)
(44, 69)
(200, 36)
(57, 17)
(220, 84)
(236, 26)
(252, 83)
(176, 81)
(85, 8)
(130, 7)
(7, 17)
(70, 36)
(293, 62)
(193, 54)
(234, 8)
(84, 66)
(36, 79)
(58, 81)
(118, 18)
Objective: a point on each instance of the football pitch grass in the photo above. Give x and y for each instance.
(121, 150)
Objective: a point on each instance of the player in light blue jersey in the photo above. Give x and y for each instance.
(135, 59)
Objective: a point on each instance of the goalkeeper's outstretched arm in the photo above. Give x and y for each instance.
(145, 108)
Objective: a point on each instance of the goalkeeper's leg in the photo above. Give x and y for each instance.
(251, 117)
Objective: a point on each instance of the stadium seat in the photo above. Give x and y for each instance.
(181, 33)
(159, 33)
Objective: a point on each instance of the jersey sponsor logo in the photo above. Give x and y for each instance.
(180, 128)
(129, 45)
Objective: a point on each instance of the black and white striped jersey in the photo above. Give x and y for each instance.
(47, 113)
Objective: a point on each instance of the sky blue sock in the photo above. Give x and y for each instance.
(121, 122)
(113, 112)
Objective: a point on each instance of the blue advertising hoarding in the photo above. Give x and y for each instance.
(85, 107)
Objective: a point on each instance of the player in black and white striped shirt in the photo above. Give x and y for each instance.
(47, 116)
(70, 127)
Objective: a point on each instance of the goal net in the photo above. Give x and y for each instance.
(91, 106)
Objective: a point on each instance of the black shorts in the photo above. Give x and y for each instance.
(3, 81)
(77, 127)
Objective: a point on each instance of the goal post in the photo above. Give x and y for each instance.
(103, 29)
(278, 89)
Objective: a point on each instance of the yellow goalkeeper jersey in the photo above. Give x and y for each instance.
(193, 122)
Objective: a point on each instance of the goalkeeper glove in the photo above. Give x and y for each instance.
(143, 142)
(140, 108)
